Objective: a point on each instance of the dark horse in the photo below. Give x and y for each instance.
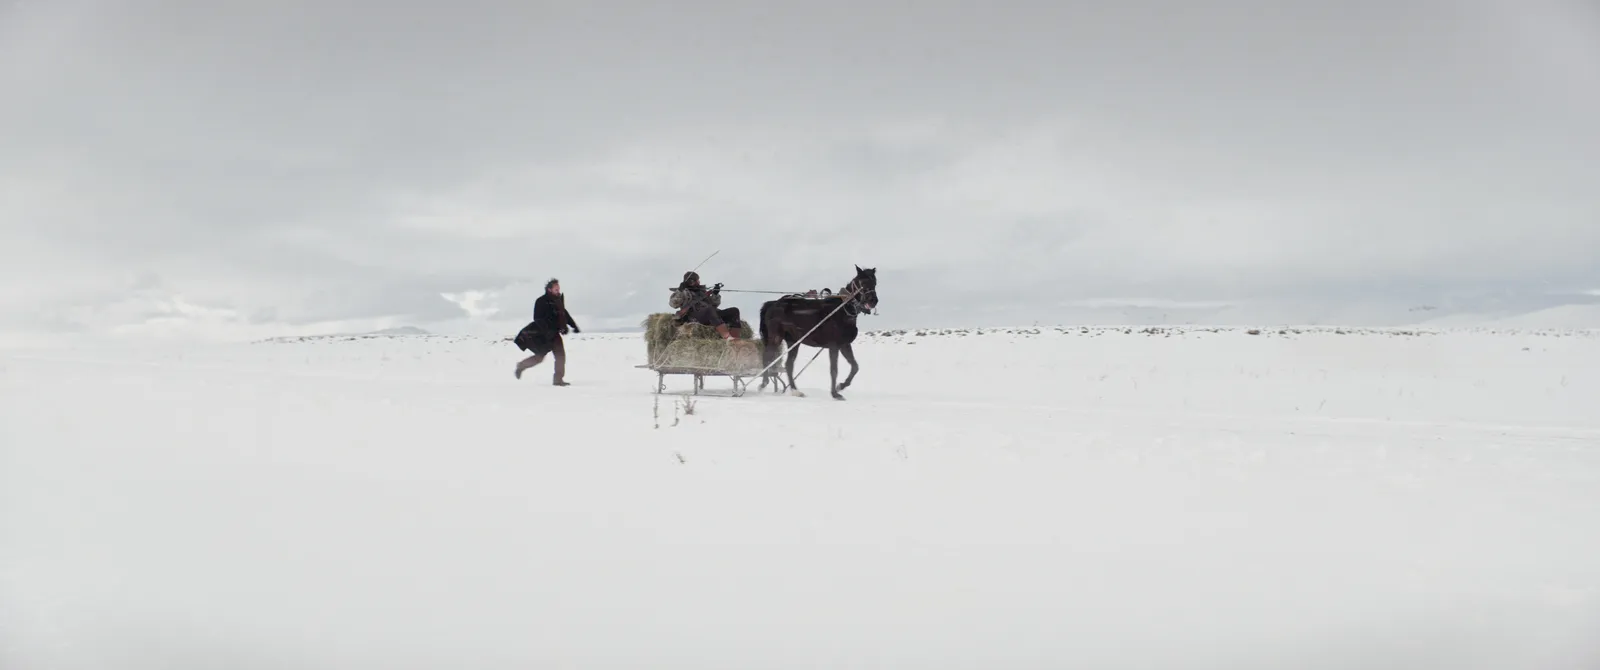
(786, 320)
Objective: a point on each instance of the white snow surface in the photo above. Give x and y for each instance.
(1023, 498)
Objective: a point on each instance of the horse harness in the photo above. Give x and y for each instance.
(853, 306)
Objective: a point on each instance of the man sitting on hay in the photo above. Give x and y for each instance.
(699, 336)
(696, 304)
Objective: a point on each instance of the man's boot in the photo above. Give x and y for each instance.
(526, 363)
(722, 330)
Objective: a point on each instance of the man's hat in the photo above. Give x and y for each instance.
(691, 276)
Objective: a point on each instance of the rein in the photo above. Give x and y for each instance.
(853, 295)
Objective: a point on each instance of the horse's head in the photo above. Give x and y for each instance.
(865, 289)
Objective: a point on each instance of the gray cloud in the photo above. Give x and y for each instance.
(299, 162)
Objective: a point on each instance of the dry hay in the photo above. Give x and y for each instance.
(714, 355)
(698, 331)
(662, 330)
(659, 331)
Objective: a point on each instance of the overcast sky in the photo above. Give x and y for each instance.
(266, 167)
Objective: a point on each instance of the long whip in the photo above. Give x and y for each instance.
(697, 267)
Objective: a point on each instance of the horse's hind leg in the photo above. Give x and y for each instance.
(794, 389)
(770, 340)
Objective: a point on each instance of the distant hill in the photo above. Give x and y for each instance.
(1560, 317)
(399, 331)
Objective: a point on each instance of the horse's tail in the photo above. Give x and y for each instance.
(766, 337)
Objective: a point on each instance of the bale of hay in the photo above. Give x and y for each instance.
(696, 331)
(739, 356)
(661, 330)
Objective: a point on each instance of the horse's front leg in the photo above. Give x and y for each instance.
(849, 357)
(833, 373)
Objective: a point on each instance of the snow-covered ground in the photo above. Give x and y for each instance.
(1086, 497)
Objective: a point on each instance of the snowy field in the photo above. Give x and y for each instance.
(1089, 498)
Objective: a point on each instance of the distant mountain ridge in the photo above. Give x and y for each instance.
(399, 331)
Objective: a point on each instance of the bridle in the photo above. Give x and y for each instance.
(855, 305)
